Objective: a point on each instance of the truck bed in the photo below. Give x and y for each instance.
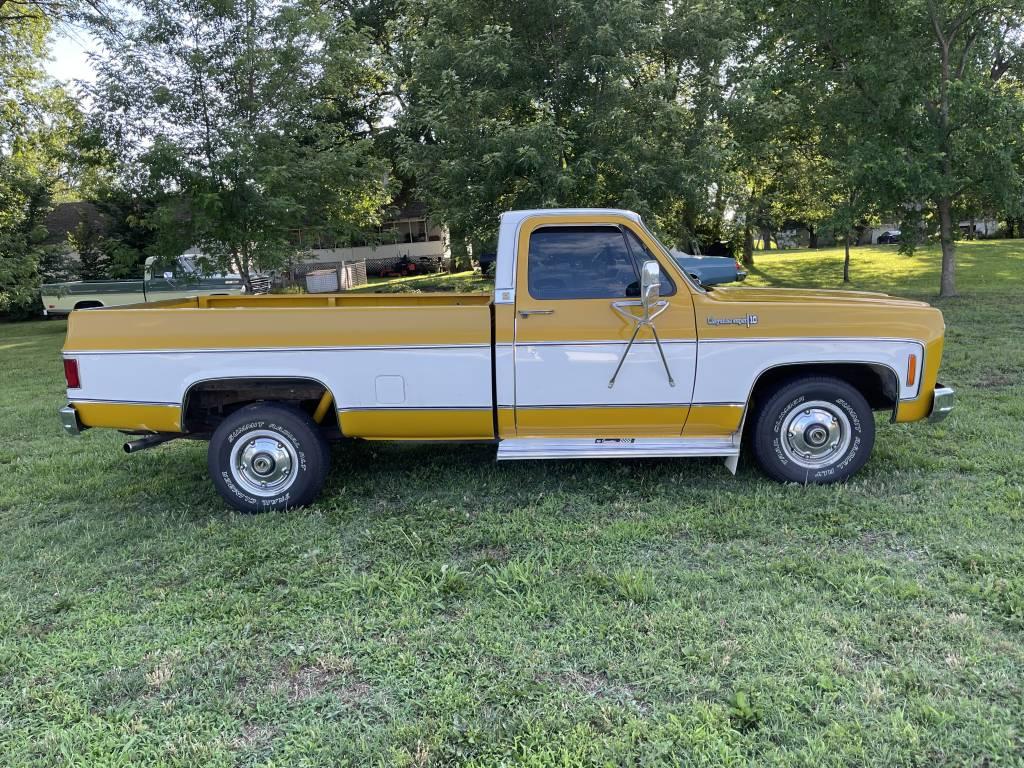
(285, 320)
(397, 365)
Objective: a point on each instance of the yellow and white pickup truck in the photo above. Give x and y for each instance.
(594, 345)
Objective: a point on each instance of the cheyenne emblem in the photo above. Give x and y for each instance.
(748, 321)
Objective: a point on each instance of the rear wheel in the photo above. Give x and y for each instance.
(268, 456)
(813, 430)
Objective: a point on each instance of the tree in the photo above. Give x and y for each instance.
(540, 103)
(233, 117)
(36, 121)
(936, 90)
(87, 240)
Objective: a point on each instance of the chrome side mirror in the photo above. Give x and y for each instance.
(650, 285)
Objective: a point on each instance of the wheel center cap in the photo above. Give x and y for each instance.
(817, 435)
(263, 464)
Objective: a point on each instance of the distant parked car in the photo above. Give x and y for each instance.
(710, 270)
(889, 237)
(60, 299)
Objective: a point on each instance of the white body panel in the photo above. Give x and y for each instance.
(551, 374)
(728, 369)
(432, 377)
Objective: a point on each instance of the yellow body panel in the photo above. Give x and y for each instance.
(411, 424)
(920, 408)
(130, 416)
(785, 314)
(713, 420)
(594, 319)
(607, 421)
(267, 322)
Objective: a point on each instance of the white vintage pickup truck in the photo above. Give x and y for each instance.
(595, 344)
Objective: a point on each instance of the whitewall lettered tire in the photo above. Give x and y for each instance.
(268, 456)
(813, 430)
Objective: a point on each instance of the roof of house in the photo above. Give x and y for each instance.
(65, 218)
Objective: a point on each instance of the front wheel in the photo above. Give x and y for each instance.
(268, 456)
(815, 430)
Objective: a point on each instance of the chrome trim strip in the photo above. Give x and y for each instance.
(943, 402)
(610, 448)
(592, 343)
(482, 345)
(702, 340)
(346, 348)
(124, 402)
(561, 407)
(350, 408)
(810, 338)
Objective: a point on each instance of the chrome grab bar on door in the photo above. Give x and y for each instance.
(528, 312)
(646, 319)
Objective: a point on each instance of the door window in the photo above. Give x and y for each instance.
(590, 262)
(642, 253)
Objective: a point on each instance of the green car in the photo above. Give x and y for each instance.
(59, 299)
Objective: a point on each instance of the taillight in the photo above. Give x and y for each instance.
(71, 373)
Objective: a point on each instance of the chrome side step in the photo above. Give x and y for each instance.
(620, 448)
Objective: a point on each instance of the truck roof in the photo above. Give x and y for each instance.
(518, 216)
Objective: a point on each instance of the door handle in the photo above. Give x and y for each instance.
(528, 312)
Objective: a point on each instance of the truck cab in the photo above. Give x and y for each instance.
(595, 344)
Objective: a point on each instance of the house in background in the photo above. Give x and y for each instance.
(982, 228)
(407, 233)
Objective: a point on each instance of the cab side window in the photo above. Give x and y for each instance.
(641, 253)
(590, 262)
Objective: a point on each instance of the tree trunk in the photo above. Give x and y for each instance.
(947, 283)
(766, 237)
(460, 254)
(748, 246)
(846, 259)
(241, 263)
(813, 237)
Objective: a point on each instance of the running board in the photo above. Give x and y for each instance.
(619, 448)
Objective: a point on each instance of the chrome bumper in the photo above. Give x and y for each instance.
(943, 401)
(69, 420)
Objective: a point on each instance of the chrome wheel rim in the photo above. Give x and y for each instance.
(816, 434)
(264, 463)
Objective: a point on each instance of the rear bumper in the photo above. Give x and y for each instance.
(69, 420)
(943, 401)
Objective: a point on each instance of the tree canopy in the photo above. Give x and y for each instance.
(247, 128)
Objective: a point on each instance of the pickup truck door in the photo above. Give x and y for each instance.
(569, 337)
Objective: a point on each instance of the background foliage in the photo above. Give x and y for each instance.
(241, 127)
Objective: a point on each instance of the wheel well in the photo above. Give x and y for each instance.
(206, 403)
(88, 304)
(878, 383)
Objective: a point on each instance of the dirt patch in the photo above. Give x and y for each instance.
(493, 555)
(997, 380)
(329, 675)
(891, 546)
(254, 736)
(599, 686)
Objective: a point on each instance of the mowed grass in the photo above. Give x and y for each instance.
(436, 608)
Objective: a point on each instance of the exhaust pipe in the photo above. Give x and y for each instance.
(149, 441)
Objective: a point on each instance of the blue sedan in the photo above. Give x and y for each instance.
(710, 270)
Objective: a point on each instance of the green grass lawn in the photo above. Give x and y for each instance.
(436, 608)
